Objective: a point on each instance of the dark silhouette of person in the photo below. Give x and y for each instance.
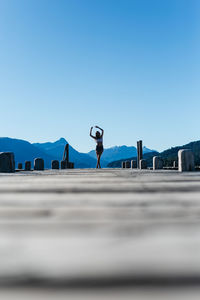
(99, 140)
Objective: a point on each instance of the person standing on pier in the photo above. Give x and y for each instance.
(99, 140)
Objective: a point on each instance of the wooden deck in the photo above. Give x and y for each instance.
(100, 234)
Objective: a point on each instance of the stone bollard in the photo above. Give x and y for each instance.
(185, 160)
(39, 164)
(123, 165)
(7, 162)
(55, 164)
(27, 166)
(70, 165)
(143, 164)
(63, 164)
(133, 164)
(20, 166)
(127, 164)
(157, 163)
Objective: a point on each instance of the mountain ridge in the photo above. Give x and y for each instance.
(26, 151)
(49, 151)
(23, 150)
(119, 152)
(56, 149)
(169, 155)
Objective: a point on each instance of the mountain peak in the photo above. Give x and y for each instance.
(61, 141)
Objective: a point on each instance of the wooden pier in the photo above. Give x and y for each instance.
(100, 234)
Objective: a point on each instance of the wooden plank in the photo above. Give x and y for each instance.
(88, 226)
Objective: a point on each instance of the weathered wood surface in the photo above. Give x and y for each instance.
(127, 233)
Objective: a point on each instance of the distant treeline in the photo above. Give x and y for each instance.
(168, 156)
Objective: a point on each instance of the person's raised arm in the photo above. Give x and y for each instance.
(91, 133)
(102, 131)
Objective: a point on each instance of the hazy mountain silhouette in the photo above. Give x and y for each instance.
(23, 151)
(49, 151)
(119, 152)
(112, 157)
(169, 156)
(55, 149)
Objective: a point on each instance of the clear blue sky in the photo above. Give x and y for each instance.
(130, 66)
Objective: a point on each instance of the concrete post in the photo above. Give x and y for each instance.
(63, 164)
(39, 164)
(139, 153)
(185, 160)
(55, 164)
(157, 163)
(174, 164)
(127, 164)
(27, 166)
(133, 164)
(70, 165)
(20, 166)
(7, 162)
(143, 164)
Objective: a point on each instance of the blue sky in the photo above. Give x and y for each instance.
(130, 66)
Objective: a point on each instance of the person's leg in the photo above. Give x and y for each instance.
(97, 160)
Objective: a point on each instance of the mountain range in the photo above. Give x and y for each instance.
(118, 152)
(112, 157)
(24, 150)
(49, 151)
(56, 149)
(168, 156)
